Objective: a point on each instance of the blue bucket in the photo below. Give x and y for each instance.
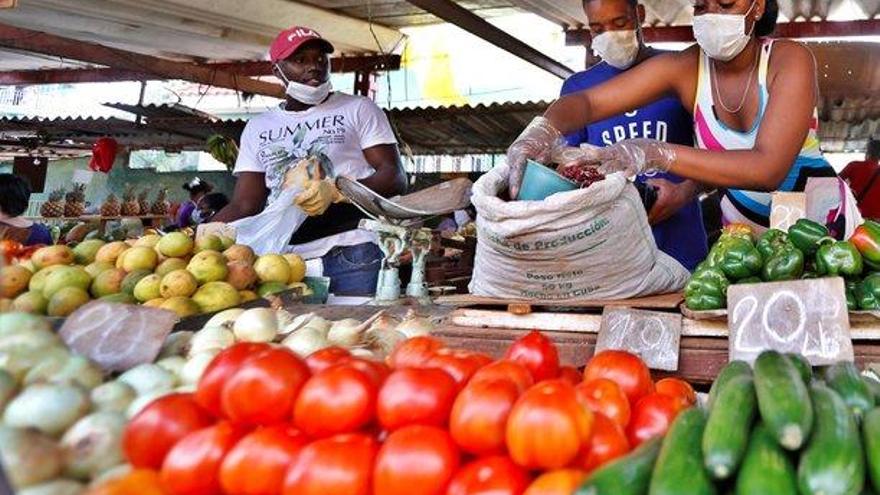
(539, 182)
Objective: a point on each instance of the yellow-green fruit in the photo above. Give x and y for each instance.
(121, 258)
(304, 290)
(170, 265)
(241, 275)
(14, 280)
(31, 302)
(85, 252)
(108, 282)
(208, 242)
(226, 241)
(147, 288)
(179, 283)
(155, 303)
(240, 252)
(52, 255)
(131, 280)
(122, 297)
(247, 296)
(140, 258)
(66, 301)
(149, 240)
(38, 279)
(270, 288)
(208, 266)
(68, 276)
(183, 306)
(109, 252)
(215, 296)
(97, 267)
(6, 305)
(272, 268)
(297, 267)
(29, 264)
(175, 245)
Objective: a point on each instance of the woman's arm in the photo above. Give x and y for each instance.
(248, 198)
(389, 179)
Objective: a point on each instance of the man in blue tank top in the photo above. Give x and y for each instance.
(675, 217)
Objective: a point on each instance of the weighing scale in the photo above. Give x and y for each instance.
(397, 222)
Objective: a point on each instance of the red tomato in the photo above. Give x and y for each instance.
(678, 388)
(461, 365)
(547, 426)
(192, 467)
(414, 352)
(496, 475)
(604, 396)
(479, 416)
(416, 396)
(338, 465)
(537, 353)
(607, 442)
(570, 374)
(324, 358)
(623, 368)
(140, 481)
(415, 460)
(651, 417)
(340, 399)
(505, 370)
(258, 462)
(377, 371)
(559, 482)
(263, 389)
(153, 432)
(218, 372)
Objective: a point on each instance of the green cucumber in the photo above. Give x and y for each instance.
(728, 427)
(844, 379)
(628, 475)
(766, 468)
(679, 469)
(783, 399)
(871, 437)
(873, 385)
(832, 462)
(802, 365)
(731, 370)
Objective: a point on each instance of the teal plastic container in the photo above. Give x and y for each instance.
(539, 182)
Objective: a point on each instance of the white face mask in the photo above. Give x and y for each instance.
(722, 36)
(310, 95)
(618, 49)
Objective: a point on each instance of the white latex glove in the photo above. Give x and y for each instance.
(318, 196)
(631, 156)
(539, 141)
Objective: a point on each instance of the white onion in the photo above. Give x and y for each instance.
(148, 378)
(256, 325)
(317, 324)
(141, 402)
(211, 338)
(384, 340)
(16, 338)
(224, 318)
(74, 369)
(305, 341)
(195, 366)
(28, 456)
(173, 364)
(289, 324)
(362, 353)
(48, 407)
(345, 333)
(112, 396)
(54, 487)
(111, 474)
(414, 325)
(185, 389)
(93, 444)
(7, 388)
(176, 344)
(19, 361)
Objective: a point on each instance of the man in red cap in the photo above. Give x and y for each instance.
(345, 135)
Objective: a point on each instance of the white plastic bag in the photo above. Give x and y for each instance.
(270, 231)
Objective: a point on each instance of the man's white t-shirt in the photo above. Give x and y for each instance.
(336, 131)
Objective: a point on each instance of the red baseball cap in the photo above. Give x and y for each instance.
(289, 40)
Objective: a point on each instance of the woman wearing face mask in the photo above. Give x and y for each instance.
(753, 102)
(188, 213)
(317, 128)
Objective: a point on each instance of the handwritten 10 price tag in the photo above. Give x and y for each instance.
(808, 317)
(652, 335)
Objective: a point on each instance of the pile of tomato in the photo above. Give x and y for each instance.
(432, 420)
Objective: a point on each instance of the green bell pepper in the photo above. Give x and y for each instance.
(771, 241)
(851, 301)
(838, 258)
(870, 266)
(785, 264)
(706, 290)
(738, 258)
(866, 239)
(868, 292)
(806, 234)
(749, 280)
(737, 231)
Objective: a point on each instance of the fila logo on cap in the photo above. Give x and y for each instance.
(302, 33)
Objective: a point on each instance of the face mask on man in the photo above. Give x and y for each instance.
(618, 49)
(722, 36)
(310, 95)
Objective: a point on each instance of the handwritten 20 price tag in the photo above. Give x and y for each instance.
(652, 335)
(808, 317)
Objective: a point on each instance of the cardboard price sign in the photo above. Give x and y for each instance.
(117, 336)
(787, 208)
(808, 317)
(652, 335)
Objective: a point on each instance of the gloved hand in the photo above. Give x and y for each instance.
(301, 174)
(318, 196)
(539, 141)
(631, 156)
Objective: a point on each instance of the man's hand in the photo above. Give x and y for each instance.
(318, 196)
(671, 197)
(538, 141)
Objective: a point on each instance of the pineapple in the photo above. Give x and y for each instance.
(54, 207)
(130, 206)
(111, 206)
(161, 206)
(75, 201)
(143, 204)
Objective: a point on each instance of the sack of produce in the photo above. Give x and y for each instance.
(591, 243)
